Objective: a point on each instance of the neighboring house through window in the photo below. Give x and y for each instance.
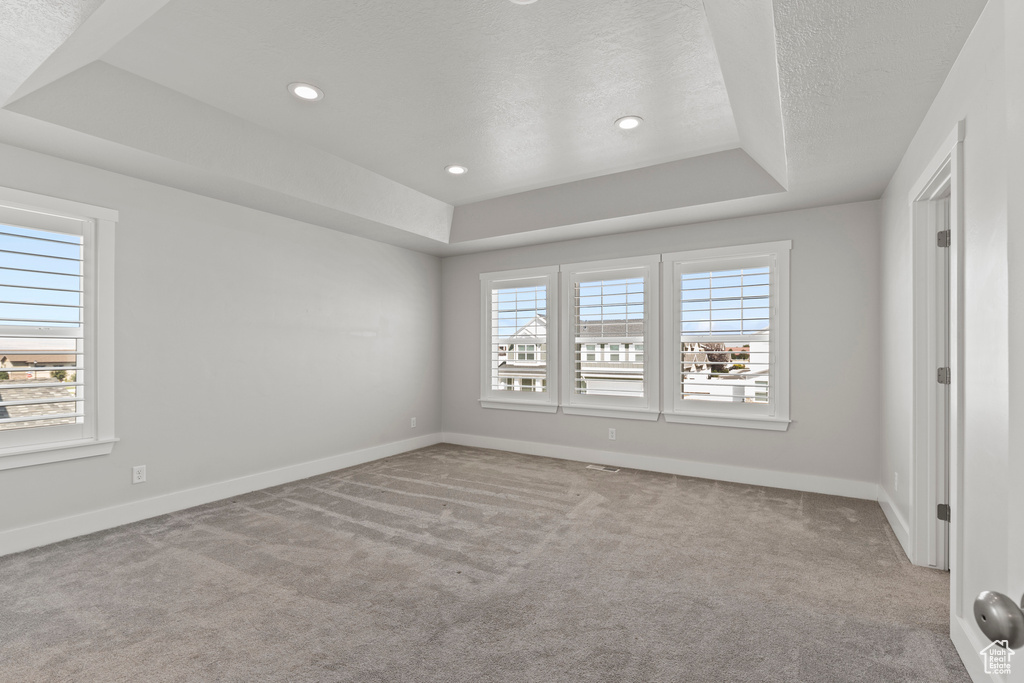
(611, 305)
(724, 324)
(518, 369)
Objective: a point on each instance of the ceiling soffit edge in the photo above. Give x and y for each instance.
(106, 102)
(107, 25)
(709, 179)
(743, 33)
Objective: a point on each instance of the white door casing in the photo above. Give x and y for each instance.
(936, 205)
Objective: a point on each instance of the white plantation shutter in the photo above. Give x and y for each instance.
(725, 334)
(612, 315)
(518, 348)
(56, 329)
(727, 342)
(519, 340)
(724, 324)
(41, 328)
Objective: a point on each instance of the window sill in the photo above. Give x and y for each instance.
(40, 454)
(747, 422)
(519, 405)
(624, 413)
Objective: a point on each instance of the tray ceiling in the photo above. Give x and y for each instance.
(747, 106)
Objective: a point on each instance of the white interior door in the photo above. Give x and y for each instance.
(1014, 24)
(1015, 499)
(987, 477)
(1015, 505)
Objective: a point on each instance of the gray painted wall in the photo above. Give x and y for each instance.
(245, 342)
(835, 331)
(975, 91)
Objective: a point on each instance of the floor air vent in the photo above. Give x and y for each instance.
(602, 468)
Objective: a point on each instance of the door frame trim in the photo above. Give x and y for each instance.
(945, 171)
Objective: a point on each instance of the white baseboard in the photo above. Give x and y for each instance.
(741, 475)
(968, 645)
(35, 535)
(896, 521)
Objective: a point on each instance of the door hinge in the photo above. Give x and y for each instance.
(944, 376)
(944, 513)
(945, 237)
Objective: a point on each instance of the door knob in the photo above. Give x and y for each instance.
(1000, 618)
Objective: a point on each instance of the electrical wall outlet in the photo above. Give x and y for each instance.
(138, 474)
(412, 423)
(611, 433)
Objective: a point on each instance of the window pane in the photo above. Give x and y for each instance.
(724, 307)
(39, 382)
(40, 288)
(609, 314)
(518, 338)
(40, 277)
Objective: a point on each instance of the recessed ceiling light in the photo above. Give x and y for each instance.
(628, 122)
(455, 169)
(305, 91)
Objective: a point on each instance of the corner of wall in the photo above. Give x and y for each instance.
(899, 525)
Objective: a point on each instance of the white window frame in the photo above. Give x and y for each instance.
(646, 407)
(95, 434)
(534, 401)
(771, 416)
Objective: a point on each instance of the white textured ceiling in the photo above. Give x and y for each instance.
(31, 30)
(525, 96)
(749, 105)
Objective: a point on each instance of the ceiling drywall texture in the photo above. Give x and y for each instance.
(525, 96)
(744, 42)
(744, 35)
(107, 25)
(30, 31)
(707, 179)
(750, 106)
(134, 112)
(856, 80)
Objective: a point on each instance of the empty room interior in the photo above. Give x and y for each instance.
(511, 340)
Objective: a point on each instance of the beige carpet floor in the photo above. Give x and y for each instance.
(452, 564)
